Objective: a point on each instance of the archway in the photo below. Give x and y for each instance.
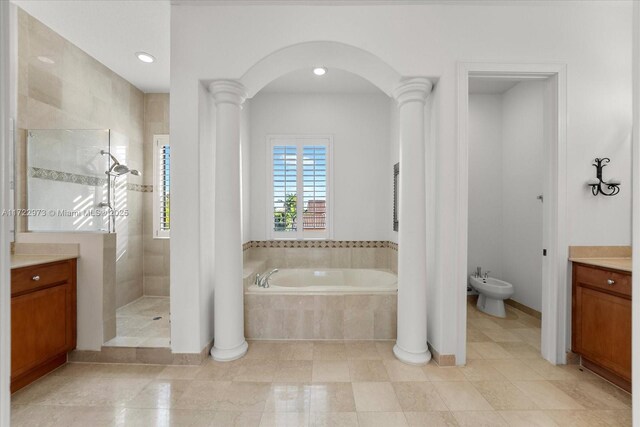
(410, 95)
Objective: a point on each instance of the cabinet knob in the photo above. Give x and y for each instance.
(611, 282)
(35, 278)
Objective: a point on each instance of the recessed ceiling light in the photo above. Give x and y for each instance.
(319, 71)
(145, 57)
(46, 60)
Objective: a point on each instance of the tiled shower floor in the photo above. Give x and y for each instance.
(142, 323)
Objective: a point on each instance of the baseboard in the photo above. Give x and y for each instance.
(442, 359)
(607, 375)
(523, 308)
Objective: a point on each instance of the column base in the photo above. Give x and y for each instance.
(227, 355)
(411, 358)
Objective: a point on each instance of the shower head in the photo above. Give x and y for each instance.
(118, 168)
(121, 169)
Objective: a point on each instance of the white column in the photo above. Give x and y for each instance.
(411, 344)
(229, 341)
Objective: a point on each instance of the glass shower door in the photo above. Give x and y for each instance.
(67, 188)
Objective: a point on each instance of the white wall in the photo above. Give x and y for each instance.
(522, 181)
(485, 183)
(362, 177)
(592, 38)
(506, 174)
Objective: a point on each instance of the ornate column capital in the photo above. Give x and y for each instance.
(228, 92)
(412, 90)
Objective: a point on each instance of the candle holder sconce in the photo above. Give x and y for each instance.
(598, 185)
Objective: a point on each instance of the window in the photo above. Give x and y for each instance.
(300, 178)
(161, 185)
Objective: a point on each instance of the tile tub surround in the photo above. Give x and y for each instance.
(324, 253)
(321, 317)
(336, 383)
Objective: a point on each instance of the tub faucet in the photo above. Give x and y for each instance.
(263, 281)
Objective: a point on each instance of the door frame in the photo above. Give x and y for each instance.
(556, 291)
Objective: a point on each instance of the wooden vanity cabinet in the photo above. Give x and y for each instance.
(43, 319)
(601, 321)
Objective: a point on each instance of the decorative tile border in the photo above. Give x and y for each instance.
(319, 244)
(72, 178)
(142, 188)
(54, 175)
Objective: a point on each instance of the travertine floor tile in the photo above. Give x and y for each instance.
(546, 396)
(479, 419)
(481, 370)
(399, 371)
(284, 419)
(418, 397)
(367, 370)
(333, 419)
(328, 350)
(528, 419)
(589, 394)
(375, 397)
(502, 395)
(332, 397)
(382, 419)
(330, 371)
(573, 418)
(461, 396)
(294, 370)
(448, 373)
(291, 397)
(489, 350)
(514, 370)
(431, 419)
(234, 419)
(159, 394)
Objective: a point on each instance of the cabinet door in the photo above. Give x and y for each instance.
(604, 329)
(39, 327)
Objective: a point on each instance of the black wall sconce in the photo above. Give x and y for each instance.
(598, 186)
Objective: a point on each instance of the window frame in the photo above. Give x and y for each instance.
(158, 141)
(300, 141)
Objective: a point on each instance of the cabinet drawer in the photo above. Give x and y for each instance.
(606, 280)
(34, 277)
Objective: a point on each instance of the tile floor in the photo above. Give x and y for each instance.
(136, 327)
(357, 383)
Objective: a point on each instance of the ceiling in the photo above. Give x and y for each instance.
(334, 81)
(112, 31)
(491, 85)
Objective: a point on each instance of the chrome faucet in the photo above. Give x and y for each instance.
(486, 274)
(478, 272)
(263, 281)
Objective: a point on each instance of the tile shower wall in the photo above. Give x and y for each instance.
(61, 87)
(156, 251)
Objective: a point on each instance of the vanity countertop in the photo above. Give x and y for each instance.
(24, 260)
(622, 264)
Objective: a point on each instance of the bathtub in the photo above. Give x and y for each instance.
(299, 281)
